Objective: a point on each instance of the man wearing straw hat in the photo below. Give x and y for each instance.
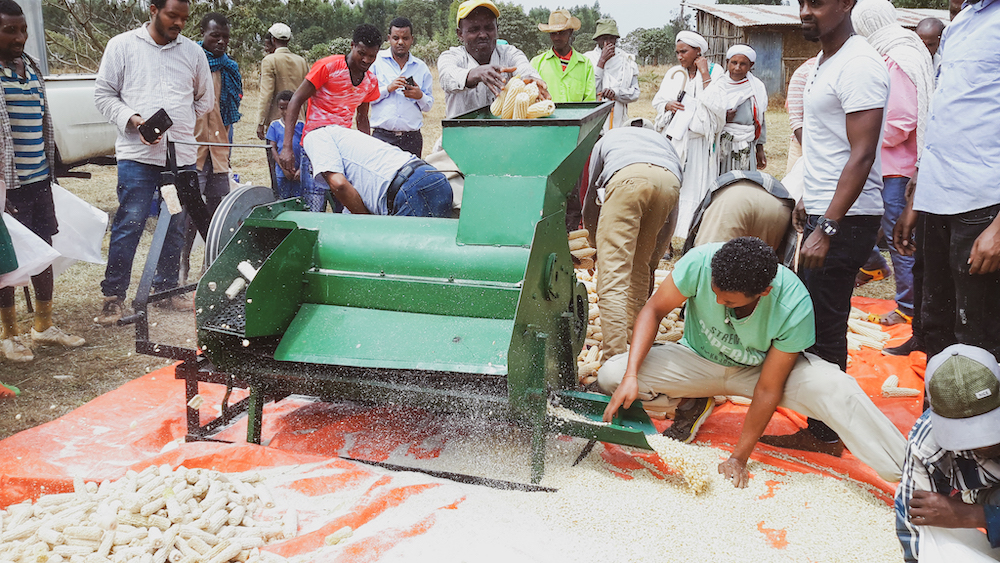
(568, 73)
(615, 73)
(951, 476)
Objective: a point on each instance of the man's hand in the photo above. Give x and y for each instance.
(399, 82)
(985, 255)
(673, 106)
(543, 90)
(799, 216)
(413, 92)
(902, 231)
(933, 509)
(488, 75)
(814, 250)
(606, 53)
(286, 159)
(261, 132)
(702, 64)
(736, 471)
(761, 158)
(625, 395)
(136, 121)
(608, 94)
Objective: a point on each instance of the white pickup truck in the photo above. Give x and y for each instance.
(82, 133)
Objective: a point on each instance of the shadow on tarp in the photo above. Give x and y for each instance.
(143, 423)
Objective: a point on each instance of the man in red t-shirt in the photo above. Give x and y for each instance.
(336, 88)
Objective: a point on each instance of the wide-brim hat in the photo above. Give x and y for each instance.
(560, 20)
(606, 26)
(465, 8)
(963, 388)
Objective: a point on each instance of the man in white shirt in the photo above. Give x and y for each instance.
(142, 71)
(404, 92)
(616, 75)
(473, 73)
(369, 176)
(841, 204)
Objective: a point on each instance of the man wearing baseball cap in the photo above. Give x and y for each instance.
(279, 71)
(951, 475)
(473, 73)
(615, 72)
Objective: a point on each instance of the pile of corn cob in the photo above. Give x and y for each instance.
(863, 333)
(676, 454)
(591, 358)
(156, 515)
(519, 99)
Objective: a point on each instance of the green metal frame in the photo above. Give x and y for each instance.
(482, 314)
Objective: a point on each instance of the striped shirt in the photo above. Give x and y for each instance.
(26, 108)
(796, 87)
(929, 467)
(138, 76)
(336, 98)
(20, 166)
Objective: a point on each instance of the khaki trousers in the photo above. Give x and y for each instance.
(744, 209)
(814, 388)
(637, 201)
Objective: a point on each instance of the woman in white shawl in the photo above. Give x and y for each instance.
(741, 141)
(691, 121)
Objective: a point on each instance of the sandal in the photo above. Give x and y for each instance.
(864, 276)
(901, 318)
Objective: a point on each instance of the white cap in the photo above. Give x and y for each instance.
(280, 31)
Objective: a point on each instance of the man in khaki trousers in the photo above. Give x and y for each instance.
(635, 182)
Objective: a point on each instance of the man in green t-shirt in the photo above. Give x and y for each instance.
(747, 324)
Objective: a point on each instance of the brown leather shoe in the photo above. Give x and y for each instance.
(805, 441)
(183, 303)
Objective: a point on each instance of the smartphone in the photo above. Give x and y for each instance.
(411, 81)
(156, 125)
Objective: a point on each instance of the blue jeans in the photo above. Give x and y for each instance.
(426, 193)
(894, 196)
(313, 191)
(288, 188)
(831, 285)
(137, 185)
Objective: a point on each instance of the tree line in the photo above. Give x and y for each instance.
(78, 30)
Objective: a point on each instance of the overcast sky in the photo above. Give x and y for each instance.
(630, 14)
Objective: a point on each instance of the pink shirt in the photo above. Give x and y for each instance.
(336, 98)
(899, 144)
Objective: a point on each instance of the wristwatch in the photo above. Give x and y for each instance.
(829, 227)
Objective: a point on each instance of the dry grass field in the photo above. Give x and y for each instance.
(60, 380)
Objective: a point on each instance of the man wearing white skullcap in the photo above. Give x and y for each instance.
(690, 124)
(741, 141)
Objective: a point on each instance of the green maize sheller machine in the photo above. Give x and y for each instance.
(480, 314)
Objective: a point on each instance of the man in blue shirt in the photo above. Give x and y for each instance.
(951, 476)
(957, 194)
(404, 92)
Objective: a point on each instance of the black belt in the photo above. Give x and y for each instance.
(401, 177)
(396, 133)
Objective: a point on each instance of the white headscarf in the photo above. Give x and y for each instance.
(740, 49)
(876, 21)
(693, 39)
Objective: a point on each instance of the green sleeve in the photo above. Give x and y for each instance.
(689, 270)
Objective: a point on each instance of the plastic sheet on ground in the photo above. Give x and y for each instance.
(143, 423)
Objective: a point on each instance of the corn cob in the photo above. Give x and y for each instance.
(543, 108)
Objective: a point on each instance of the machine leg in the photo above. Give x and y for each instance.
(538, 435)
(255, 414)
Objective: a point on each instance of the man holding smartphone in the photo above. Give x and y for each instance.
(404, 92)
(150, 68)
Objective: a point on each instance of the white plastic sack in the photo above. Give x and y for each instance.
(33, 255)
(81, 230)
(947, 545)
(795, 181)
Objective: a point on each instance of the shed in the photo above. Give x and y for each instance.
(775, 33)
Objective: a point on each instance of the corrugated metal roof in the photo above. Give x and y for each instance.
(752, 15)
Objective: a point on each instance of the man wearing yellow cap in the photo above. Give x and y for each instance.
(569, 74)
(473, 73)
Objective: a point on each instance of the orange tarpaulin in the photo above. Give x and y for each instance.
(143, 422)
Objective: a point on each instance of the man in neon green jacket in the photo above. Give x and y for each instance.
(567, 72)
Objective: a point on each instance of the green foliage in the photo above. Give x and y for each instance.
(654, 46)
(317, 52)
(340, 46)
(312, 36)
(429, 51)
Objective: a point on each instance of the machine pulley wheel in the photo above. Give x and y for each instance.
(234, 208)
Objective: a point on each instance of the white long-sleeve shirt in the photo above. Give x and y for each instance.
(453, 70)
(620, 74)
(138, 76)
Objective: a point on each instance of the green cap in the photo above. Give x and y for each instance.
(606, 26)
(963, 388)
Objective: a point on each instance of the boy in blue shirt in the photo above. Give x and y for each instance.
(290, 182)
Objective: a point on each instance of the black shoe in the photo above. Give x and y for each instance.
(688, 418)
(804, 440)
(904, 349)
